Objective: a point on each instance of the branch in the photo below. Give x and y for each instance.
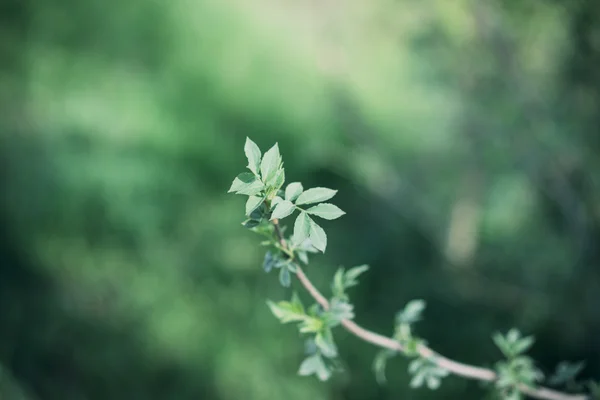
(457, 368)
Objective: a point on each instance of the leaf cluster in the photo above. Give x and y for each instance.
(269, 202)
(343, 280)
(317, 323)
(263, 186)
(518, 369)
(420, 368)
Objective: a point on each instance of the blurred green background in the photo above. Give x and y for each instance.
(462, 135)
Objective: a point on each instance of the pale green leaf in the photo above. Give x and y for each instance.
(325, 343)
(286, 311)
(415, 365)
(302, 256)
(251, 223)
(283, 209)
(565, 372)
(278, 179)
(293, 190)
(351, 276)
(433, 382)
(417, 380)
(307, 246)
(308, 366)
(297, 303)
(502, 344)
(326, 211)
(311, 325)
(411, 313)
(339, 310)
(315, 195)
(524, 344)
(284, 277)
(513, 335)
(253, 203)
(270, 163)
(317, 236)
(337, 285)
(242, 179)
(314, 365)
(301, 228)
(247, 184)
(253, 155)
(380, 363)
(276, 200)
(269, 262)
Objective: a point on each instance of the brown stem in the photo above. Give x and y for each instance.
(457, 368)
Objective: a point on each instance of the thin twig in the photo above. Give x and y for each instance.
(457, 368)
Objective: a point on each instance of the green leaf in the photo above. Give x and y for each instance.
(339, 310)
(426, 371)
(380, 363)
(310, 347)
(314, 365)
(293, 190)
(251, 223)
(337, 286)
(351, 277)
(309, 366)
(307, 246)
(287, 311)
(317, 235)
(502, 344)
(297, 303)
(513, 335)
(284, 277)
(292, 267)
(411, 313)
(269, 262)
(416, 365)
(259, 212)
(283, 209)
(315, 310)
(278, 179)
(417, 380)
(276, 200)
(433, 382)
(247, 184)
(302, 256)
(326, 211)
(315, 195)
(565, 372)
(343, 280)
(252, 203)
(270, 163)
(301, 228)
(311, 325)
(242, 179)
(325, 343)
(524, 344)
(512, 344)
(253, 155)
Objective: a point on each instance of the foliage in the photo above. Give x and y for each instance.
(513, 375)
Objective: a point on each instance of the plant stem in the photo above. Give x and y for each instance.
(457, 368)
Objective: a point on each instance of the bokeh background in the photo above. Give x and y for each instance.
(462, 135)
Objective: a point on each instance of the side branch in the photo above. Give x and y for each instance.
(457, 368)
